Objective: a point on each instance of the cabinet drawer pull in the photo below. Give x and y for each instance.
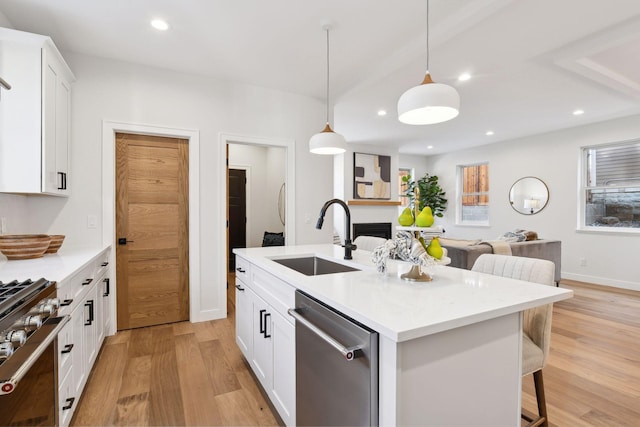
(262, 328)
(265, 334)
(69, 403)
(86, 282)
(240, 288)
(106, 289)
(63, 181)
(66, 302)
(91, 319)
(67, 349)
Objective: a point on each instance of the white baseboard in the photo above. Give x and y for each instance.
(635, 286)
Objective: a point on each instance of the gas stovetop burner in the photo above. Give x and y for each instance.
(13, 294)
(25, 307)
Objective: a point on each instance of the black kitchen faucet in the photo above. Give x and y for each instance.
(348, 246)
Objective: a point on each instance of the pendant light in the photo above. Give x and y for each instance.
(429, 102)
(327, 141)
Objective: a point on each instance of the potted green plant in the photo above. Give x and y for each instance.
(428, 192)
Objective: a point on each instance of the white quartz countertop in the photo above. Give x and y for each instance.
(399, 309)
(55, 267)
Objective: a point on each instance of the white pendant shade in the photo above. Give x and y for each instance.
(428, 103)
(327, 142)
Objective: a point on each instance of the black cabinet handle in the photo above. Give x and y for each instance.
(86, 282)
(240, 288)
(91, 319)
(107, 291)
(66, 302)
(265, 326)
(241, 270)
(70, 403)
(67, 349)
(262, 328)
(63, 181)
(124, 241)
(104, 264)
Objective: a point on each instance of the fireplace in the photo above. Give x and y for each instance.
(376, 229)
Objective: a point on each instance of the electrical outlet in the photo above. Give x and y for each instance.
(583, 262)
(92, 221)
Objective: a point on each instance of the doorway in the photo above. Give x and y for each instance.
(263, 209)
(237, 199)
(152, 230)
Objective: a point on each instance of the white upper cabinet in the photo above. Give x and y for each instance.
(35, 115)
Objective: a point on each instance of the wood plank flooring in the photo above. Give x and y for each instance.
(592, 376)
(194, 374)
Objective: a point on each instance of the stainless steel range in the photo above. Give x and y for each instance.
(28, 331)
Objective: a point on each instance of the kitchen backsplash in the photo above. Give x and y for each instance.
(14, 214)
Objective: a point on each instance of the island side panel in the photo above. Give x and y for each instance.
(465, 376)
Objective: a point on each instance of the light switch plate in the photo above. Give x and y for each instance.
(3, 225)
(92, 221)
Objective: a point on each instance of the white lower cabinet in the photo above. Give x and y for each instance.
(262, 358)
(83, 298)
(67, 399)
(284, 368)
(267, 338)
(244, 323)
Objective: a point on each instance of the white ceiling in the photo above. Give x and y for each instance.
(533, 62)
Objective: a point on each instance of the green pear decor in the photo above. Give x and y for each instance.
(425, 218)
(406, 218)
(434, 249)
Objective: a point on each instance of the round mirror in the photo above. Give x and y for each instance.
(529, 195)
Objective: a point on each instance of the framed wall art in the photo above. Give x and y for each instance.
(371, 176)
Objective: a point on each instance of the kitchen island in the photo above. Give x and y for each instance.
(449, 350)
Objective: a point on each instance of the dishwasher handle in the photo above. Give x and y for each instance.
(349, 353)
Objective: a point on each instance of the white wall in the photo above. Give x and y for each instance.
(611, 258)
(4, 22)
(276, 161)
(14, 215)
(266, 169)
(122, 92)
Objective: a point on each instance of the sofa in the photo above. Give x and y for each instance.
(463, 253)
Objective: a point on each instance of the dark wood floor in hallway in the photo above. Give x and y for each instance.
(194, 374)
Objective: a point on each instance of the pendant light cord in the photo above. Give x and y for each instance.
(427, 35)
(327, 30)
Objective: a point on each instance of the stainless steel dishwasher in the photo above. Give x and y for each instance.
(336, 367)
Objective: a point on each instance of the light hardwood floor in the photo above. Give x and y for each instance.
(194, 374)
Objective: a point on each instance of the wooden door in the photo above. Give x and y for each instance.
(152, 226)
(237, 213)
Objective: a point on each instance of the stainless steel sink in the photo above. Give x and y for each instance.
(314, 266)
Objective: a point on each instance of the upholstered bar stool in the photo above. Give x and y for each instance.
(536, 324)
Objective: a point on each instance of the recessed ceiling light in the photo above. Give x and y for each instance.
(489, 133)
(578, 112)
(382, 113)
(464, 77)
(429, 147)
(159, 24)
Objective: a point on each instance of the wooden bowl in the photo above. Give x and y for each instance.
(24, 246)
(56, 242)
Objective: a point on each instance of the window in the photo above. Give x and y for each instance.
(402, 186)
(611, 186)
(473, 194)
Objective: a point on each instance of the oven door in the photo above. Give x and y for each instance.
(28, 380)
